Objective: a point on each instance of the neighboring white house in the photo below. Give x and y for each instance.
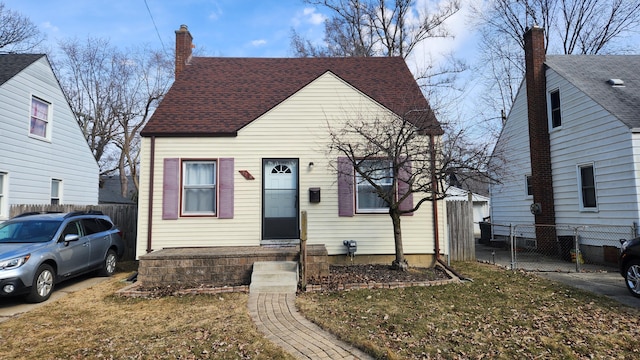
(239, 147)
(44, 157)
(590, 107)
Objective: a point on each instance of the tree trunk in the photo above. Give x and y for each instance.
(400, 263)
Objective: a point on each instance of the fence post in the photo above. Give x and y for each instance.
(303, 250)
(512, 247)
(576, 248)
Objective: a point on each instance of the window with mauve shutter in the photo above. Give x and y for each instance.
(171, 189)
(225, 196)
(345, 187)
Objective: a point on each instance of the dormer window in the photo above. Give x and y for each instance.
(556, 116)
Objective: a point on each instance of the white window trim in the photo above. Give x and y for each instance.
(47, 135)
(183, 187)
(595, 185)
(526, 194)
(550, 110)
(4, 198)
(60, 192)
(357, 182)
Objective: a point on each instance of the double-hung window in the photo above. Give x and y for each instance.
(528, 185)
(368, 198)
(3, 195)
(56, 191)
(587, 187)
(39, 121)
(556, 115)
(199, 187)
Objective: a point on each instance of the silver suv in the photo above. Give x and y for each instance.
(38, 250)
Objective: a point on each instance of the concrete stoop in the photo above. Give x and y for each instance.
(274, 277)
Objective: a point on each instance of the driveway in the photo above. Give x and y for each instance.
(10, 307)
(610, 284)
(599, 279)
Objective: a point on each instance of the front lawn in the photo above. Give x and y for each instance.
(501, 314)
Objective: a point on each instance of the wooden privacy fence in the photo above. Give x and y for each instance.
(460, 221)
(124, 216)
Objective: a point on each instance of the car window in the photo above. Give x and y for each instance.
(106, 224)
(71, 228)
(28, 231)
(92, 226)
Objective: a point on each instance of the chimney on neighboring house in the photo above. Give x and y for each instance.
(539, 144)
(184, 47)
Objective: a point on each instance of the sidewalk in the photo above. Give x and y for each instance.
(278, 319)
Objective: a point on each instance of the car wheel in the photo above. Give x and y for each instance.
(109, 264)
(42, 285)
(632, 277)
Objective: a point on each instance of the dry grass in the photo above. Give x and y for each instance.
(94, 323)
(501, 315)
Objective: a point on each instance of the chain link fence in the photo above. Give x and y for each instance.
(567, 248)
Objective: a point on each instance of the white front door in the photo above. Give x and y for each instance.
(280, 199)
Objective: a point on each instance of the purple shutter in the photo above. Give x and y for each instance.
(345, 187)
(225, 188)
(404, 174)
(171, 189)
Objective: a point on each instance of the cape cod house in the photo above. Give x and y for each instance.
(572, 147)
(44, 157)
(238, 149)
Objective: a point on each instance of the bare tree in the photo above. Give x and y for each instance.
(17, 32)
(399, 163)
(376, 27)
(571, 27)
(113, 93)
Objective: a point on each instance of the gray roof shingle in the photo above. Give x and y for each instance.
(590, 74)
(12, 64)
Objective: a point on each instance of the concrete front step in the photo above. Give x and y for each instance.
(274, 277)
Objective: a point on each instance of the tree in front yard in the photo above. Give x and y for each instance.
(396, 164)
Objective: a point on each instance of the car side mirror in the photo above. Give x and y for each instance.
(71, 237)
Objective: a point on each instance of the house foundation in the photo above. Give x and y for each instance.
(220, 266)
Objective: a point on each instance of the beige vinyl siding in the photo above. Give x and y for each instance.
(591, 135)
(509, 203)
(296, 128)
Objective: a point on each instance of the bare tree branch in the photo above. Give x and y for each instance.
(17, 32)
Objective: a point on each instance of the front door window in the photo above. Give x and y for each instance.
(280, 199)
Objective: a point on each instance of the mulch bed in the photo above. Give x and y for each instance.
(343, 277)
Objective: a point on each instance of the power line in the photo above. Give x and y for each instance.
(155, 26)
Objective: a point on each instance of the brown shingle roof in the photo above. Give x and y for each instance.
(219, 96)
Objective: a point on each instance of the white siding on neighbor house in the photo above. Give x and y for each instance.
(591, 135)
(32, 163)
(509, 202)
(296, 128)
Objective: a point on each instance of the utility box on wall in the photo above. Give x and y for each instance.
(314, 195)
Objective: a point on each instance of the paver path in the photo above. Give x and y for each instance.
(278, 319)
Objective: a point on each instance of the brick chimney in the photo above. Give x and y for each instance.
(184, 46)
(539, 144)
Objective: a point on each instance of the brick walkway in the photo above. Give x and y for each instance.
(278, 319)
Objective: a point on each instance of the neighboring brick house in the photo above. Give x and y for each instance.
(239, 147)
(571, 144)
(44, 157)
